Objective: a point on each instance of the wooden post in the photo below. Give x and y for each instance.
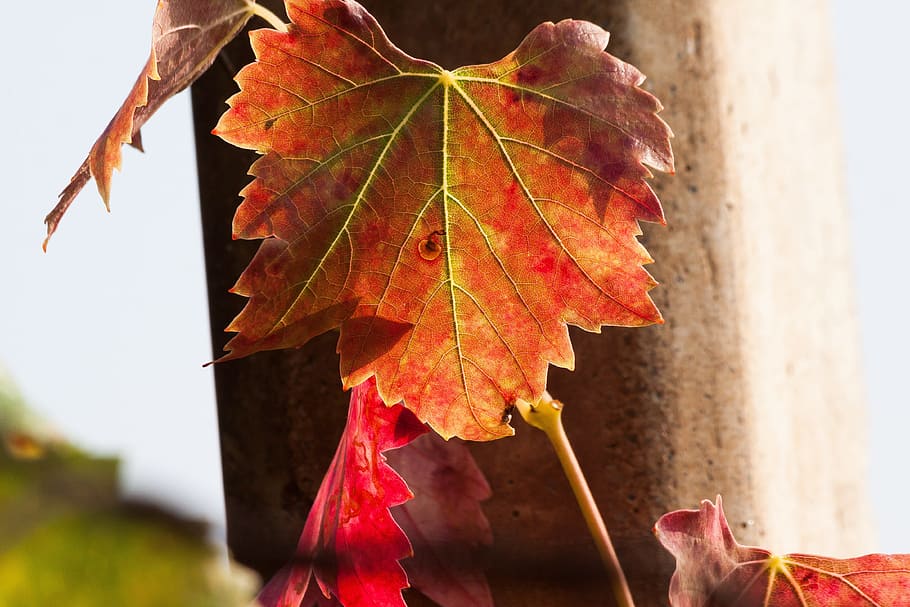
(750, 389)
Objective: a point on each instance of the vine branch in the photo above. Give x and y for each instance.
(546, 415)
(263, 13)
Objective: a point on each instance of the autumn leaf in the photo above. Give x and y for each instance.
(451, 222)
(712, 570)
(186, 37)
(350, 543)
(444, 521)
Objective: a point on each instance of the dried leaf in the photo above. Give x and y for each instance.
(186, 37)
(444, 521)
(712, 570)
(452, 223)
(350, 543)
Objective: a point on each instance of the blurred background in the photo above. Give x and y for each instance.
(106, 334)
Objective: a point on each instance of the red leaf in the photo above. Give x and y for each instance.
(452, 223)
(444, 521)
(350, 543)
(712, 570)
(186, 37)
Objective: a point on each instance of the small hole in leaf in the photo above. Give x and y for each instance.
(430, 248)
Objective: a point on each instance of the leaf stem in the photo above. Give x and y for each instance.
(267, 15)
(546, 415)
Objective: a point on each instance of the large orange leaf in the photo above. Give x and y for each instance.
(186, 37)
(712, 570)
(451, 222)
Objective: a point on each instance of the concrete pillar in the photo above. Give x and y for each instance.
(751, 388)
(280, 414)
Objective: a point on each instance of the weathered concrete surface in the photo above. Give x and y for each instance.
(781, 138)
(750, 389)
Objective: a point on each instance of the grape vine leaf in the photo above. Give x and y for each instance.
(350, 543)
(451, 222)
(186, 37)
(713, 570)
(444, 521)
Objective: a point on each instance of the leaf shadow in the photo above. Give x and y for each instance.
(299, 332)
(370, 337)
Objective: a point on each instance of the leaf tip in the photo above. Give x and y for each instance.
(51, 223)
(136, 141)
(104, 190)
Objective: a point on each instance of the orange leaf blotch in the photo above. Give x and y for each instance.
(450, 223)
(713, 570)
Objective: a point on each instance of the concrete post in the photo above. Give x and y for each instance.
(751, 389)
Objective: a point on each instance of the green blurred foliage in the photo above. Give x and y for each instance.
(68, 538)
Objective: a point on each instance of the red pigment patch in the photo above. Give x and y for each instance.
(544, 265)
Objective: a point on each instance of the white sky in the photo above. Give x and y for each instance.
(872, 47)
(106, 333)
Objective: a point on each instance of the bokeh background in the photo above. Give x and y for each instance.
(107, 333)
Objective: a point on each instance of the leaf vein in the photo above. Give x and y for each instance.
(559, 101)
(836, 576)
(318, 66)
(576, 166)
(385, 291)
(499, 262)
(489, 320)
(371, 47)
(448, 230)
(533, 201)
(369, 180)
(315, 103)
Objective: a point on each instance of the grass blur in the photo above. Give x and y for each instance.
(68, 538)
